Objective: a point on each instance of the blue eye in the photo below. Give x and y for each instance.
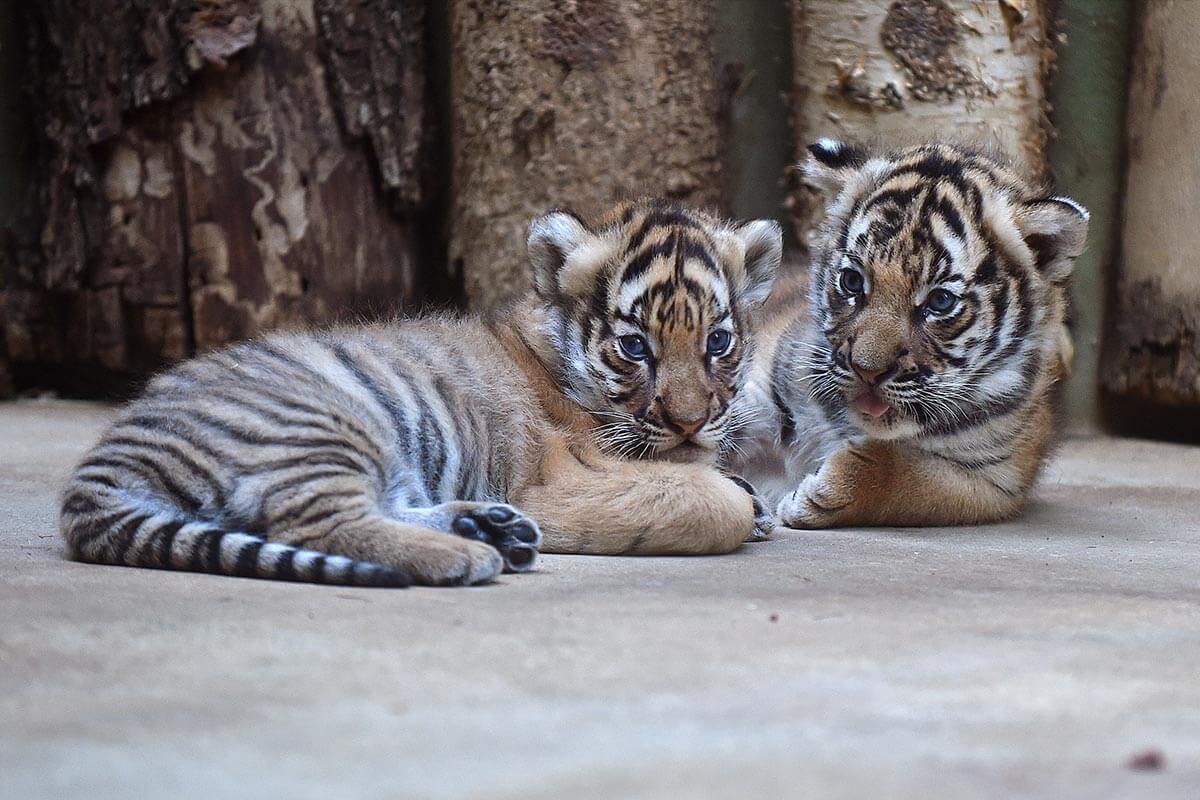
(852, 281)
(941, 301)
(718, 342)
(634, 346)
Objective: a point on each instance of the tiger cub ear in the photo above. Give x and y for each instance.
(831, 163)
(565, 255)
(755, 260)
(1055, 229)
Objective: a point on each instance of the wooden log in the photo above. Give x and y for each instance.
(206, 170)
(574, 104)
(1086, 155)
(1154, 347)
(914, 70)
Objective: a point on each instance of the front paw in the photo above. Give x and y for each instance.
(815, 504)
(764, 523)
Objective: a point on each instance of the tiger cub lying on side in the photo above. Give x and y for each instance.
(440, 450)
(916, 387)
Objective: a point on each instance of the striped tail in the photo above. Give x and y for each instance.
(102, 528)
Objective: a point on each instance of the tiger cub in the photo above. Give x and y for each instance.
(915, 387)
(442, 450)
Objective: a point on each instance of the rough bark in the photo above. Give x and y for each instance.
(198, 181)
(1154, 350)
(578, 104)
(912, 70)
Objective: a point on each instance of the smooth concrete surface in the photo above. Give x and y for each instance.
(1031, 659)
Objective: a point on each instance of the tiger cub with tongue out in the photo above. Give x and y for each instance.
(916, 384)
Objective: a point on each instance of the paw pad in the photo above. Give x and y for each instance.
(515, 535)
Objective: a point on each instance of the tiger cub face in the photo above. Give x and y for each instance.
(649, 313)
(938, 286)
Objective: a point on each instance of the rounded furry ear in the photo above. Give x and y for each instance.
(564, 254)
(1055, 229)
(762, 249)
(831, 162)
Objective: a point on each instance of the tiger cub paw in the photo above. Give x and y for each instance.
(816, 503)
(764, 523)
(515, 535)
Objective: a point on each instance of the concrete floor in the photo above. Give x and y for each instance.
(1028, 659)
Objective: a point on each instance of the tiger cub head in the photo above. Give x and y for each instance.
(648, 313)
(938, 288)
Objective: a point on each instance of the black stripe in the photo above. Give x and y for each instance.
(84, 534)
(949, 213)
(169, 426)
(999, 305)
(296, 481)
(697, 251)
(212, 552)
(901, 197)
(201, 547)
(165, 538)
(329, 419)
(247, 559)
(388, 403)
(668, 217)
(103, 480)
(640, 263)
(845, 155)
(975, 463)
(265, 347)
(285, 565)
(199, 471)
(787, 428)
(319, 458)
(122, 538)
(77, 502)
(987, 269)
(317, 517)
(312, 500)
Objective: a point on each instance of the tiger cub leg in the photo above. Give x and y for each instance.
(602, 506)
(881, 483)
(423, 555)
(513, 534)
(341, 515)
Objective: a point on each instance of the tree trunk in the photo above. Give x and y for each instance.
(207, 169)
(914, 70)
(1088, 96)
(1154, 351)
(578, 104)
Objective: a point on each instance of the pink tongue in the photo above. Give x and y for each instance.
(870, 403)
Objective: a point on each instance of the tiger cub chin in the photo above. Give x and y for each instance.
(915, 386)
(442, 450)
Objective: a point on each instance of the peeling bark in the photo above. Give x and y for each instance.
(1154, 351)
(575, 104)
(376, 59)
(913, 70)
(197, 181)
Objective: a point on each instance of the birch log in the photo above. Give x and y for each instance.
(1154, 351)
(911, 70)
